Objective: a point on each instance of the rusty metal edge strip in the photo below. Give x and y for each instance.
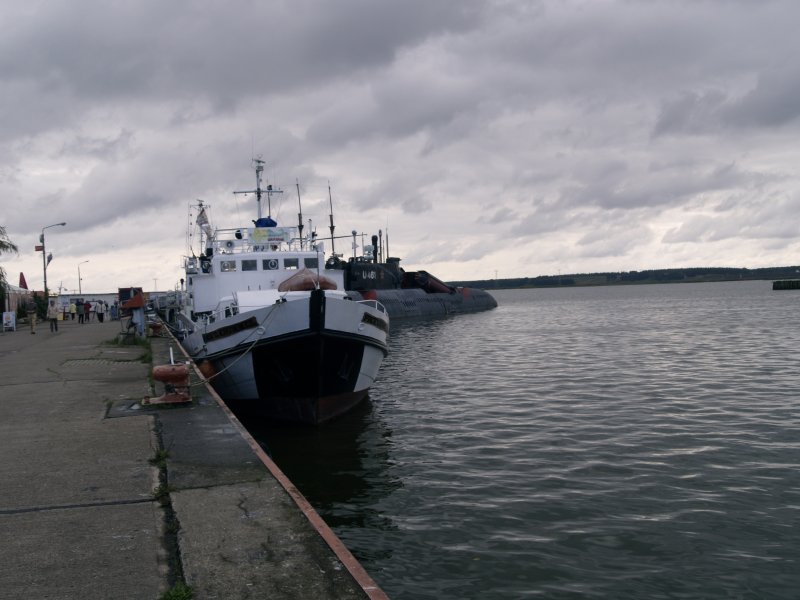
(350, 562)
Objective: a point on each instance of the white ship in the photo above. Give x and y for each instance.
(271, 327)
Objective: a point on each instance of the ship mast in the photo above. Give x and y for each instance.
(202, 223)
(259, 163)
(299, 214)
(330, 199)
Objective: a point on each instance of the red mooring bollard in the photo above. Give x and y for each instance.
(176, 384)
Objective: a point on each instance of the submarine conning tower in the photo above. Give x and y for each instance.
(361, 273)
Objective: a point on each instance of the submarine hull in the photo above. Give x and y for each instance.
(409, 303)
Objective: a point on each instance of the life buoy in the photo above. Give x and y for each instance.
(229, 244)
(305, 280)
(272, 264)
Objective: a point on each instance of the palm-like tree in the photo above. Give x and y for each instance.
(6, 247)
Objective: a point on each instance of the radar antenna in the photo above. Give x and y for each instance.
(259, 166)
(330, 199)
(299, 214)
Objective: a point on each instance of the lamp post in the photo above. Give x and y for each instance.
(44, 257)
(80, 291)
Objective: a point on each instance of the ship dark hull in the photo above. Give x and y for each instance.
(305, 411)
(410, 303)
(307, 360)
(409, 294)
(310, 379)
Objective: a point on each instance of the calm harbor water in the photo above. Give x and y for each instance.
(614, 442)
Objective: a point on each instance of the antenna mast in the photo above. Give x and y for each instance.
(259, 163)
(330, 199)
(202, 224)
(299, 214)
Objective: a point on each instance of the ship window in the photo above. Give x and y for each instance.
(270, 264)
(311, 263)
(290, 263)
(249, 265)
(227, 266)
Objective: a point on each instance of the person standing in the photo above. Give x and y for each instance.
(100, 310)
(72, 309)
(30, 306)
(87, 307)
(52, 316)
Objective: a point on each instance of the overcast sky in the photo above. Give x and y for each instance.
(488, 137)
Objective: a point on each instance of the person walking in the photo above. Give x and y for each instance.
(87, 307)
(30, 306)
(100, 310)
(72, 309)
(52, 316)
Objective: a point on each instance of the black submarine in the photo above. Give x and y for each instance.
(405, 294)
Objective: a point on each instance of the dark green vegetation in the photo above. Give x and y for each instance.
(6, 247)
(693, 275)
(180, 591)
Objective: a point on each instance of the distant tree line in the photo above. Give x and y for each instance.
(695, 274)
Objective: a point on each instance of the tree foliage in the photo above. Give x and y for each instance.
(6, 247)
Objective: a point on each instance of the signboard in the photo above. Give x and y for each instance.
(269, 235)
(10, 321)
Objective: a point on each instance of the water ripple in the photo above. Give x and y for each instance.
(588, 443)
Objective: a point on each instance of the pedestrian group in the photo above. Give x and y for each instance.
(86, 312)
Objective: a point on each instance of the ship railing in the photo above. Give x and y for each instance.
(169, 300)
(375, 304)
(229, 241)
(223, 310)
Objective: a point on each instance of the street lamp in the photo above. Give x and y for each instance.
(80, 291)
(44, 257)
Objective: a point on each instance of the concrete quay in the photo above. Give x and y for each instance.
(86, 510)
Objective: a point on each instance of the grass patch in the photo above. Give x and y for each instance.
(162, 492)
(160, 459)
(179, 591)
(162, 495)
(147, 357)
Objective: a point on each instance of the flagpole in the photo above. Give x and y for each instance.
(202, 223)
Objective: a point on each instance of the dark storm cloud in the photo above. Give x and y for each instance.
(740, 219)
(109, 148)
(501, 215)
(101, 50)
(608, 133)
(772, 103)
(670, 185)
(691, 113)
